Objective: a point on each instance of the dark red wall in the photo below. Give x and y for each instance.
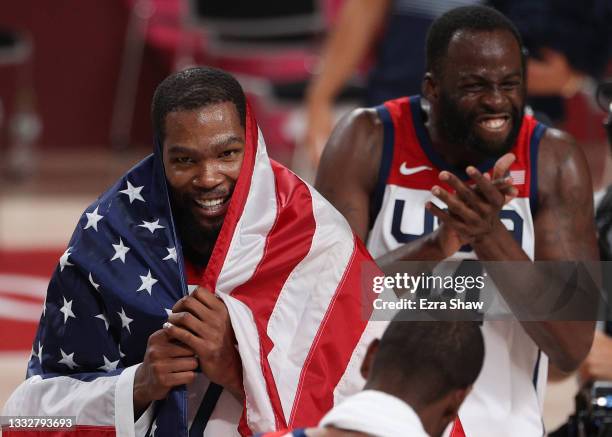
(78, 49)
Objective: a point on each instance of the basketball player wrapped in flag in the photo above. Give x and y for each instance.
(285, 264)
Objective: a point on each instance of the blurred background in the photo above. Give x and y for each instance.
(77, 76)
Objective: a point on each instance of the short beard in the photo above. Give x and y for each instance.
(198, 242)
(456, 128)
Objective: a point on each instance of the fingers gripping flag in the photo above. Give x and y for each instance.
(286, 264)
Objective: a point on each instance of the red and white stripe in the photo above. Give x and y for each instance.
(291, 279)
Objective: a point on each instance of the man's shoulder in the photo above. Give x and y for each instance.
(556, 150)
(556, 143)
(364, 119)
(366, 124)
(133, 188)
(138, 177)
(562, 165)
(356, 141)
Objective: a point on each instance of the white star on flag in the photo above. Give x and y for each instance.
(40, 351)
(151, 226)
(192, 288)
(91, 281)
(64, 259)
(103, 317)
(125, 320)
(92, 219)
(147, 282)
(67, 310)
(168, 311)
(171, 254)
(67, 360)
(120, 251)
(121, 354)
(133, 192)
(108, 365)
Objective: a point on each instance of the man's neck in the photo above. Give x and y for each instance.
(198, 258)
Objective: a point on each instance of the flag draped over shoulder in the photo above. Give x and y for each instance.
(286, 264)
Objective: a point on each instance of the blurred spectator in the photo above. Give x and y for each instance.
(412, 388)
(567, 41)
(400, 57)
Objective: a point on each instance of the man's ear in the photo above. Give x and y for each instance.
(366, 365)
(429, 87)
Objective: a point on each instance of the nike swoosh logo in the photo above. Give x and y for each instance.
(408, 171)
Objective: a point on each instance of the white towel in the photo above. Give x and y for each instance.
(375, 413)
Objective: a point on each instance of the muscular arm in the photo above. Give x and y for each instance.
(564, 231)
(349, 167)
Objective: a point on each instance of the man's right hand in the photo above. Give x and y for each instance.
(166, 365)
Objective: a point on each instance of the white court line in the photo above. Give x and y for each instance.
(34, 286)
(19, 310)
(25, 285)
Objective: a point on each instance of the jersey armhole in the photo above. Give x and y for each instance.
(385, 162)
(534, 147)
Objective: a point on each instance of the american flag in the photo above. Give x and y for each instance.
(286, 264)
(518, 177)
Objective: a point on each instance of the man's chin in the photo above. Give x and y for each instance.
(211, 226)
(492, 150)
(199, 231)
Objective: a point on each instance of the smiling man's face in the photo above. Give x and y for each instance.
(203, 152)
(481, 91)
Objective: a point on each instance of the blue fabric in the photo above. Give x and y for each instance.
(534, 148)
(90, 255)
(385, 162)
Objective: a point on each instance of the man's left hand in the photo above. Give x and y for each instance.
(472, 212)
(598, 363)
(201, 321)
